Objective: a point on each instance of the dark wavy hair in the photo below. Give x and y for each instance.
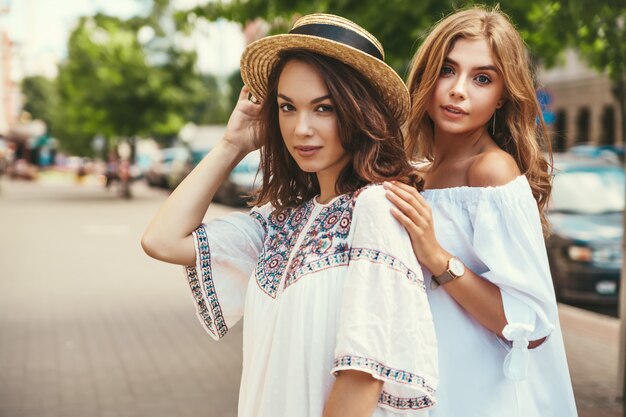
(367, 130)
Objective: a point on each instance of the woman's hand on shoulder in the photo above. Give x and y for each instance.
(414, 213)
(491, 169)
(241, 129)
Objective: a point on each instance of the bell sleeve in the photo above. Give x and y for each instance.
(508, 239)
(385, 323)
(226, 254)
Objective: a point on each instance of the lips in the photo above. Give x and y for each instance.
(454, 110)
(306, 151)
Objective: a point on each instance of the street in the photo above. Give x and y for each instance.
(91, 326)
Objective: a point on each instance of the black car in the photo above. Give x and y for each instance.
(586, 212)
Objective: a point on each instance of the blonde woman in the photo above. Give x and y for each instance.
(478, 225)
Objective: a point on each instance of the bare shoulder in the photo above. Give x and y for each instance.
(492, 168)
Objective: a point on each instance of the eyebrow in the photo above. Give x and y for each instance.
(481, 68)
(315, 100)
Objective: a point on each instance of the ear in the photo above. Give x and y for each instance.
(500, 103)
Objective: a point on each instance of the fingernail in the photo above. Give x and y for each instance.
(387, 185)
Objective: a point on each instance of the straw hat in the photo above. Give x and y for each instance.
(332, 36)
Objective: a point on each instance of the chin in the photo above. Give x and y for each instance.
(308, 169)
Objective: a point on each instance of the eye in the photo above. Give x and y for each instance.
(483, 79)
(446, 70)
(286, 107)
(325, 108)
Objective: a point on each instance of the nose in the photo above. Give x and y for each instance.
(458, 89)
(303, 125)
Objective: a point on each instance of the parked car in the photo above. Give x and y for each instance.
(586, 211)
(159, 172)
(615, 152)
(176, 163)
(244, 179)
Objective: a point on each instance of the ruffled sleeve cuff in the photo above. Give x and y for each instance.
(200, 279)
(227, 250)
(525, 323)
(403, 391)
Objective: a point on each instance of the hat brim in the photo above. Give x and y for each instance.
(259, 58)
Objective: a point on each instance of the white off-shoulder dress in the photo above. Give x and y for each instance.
(321, 288)
(496, 232)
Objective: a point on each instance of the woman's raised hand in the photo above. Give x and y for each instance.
(241, 128)
(414, 213)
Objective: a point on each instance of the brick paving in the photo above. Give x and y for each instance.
(591, 341)
(91, 327)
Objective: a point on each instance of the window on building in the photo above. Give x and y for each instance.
(608, 126)
(582, 125)
(559, 136)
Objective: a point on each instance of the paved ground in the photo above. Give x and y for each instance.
(91, 327)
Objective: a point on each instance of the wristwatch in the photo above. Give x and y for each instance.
(454, 270)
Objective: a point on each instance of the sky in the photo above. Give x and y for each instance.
(40, 28)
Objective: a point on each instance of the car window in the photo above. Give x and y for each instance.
(591, 190)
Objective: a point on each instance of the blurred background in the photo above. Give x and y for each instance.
(106, 105)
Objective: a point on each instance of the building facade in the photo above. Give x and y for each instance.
(584, 107)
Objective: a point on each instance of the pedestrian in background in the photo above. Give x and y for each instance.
(336, 317)
(478, 225)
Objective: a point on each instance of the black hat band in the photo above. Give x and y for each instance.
(341, 35)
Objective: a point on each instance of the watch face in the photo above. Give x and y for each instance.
(457, 267)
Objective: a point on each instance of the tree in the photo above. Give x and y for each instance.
(212, 105)
(41, 99)
(113, 85)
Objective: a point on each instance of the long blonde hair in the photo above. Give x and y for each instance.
(520, 128)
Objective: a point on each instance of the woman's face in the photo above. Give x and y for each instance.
(308, 122)
(468, 91)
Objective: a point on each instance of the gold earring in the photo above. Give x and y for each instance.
(493, 125)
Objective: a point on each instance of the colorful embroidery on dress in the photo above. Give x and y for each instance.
(201, 309)
(405, 403)
(390, 261)
(383, 371)
(283, 230)
(325, 244)
(213, 310)
(259, 217)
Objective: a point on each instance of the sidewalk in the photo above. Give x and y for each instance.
(591, 342)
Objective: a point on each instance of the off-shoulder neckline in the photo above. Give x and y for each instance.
(470, 187)
(514, 189)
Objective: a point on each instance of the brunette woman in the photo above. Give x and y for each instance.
(334, 304)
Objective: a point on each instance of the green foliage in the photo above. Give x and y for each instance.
(113, 85)
(41, 99)
(211, 104)
(235, 84)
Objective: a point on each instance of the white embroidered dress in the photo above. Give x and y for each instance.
(322, 288)
(496, 232)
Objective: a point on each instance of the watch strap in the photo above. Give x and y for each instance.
(445, 277)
